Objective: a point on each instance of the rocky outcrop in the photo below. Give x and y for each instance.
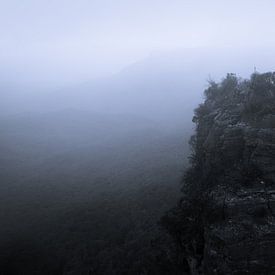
(225, 222)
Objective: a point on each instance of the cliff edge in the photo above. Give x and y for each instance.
(225, 223)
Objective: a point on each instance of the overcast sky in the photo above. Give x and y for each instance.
(74, 40)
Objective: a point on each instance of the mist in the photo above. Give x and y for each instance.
(55, 43)
(96, 106)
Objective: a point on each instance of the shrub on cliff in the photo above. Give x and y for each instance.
(232, 102)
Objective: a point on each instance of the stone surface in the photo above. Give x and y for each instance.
(234, 168)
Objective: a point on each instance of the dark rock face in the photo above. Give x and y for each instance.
(225, 222)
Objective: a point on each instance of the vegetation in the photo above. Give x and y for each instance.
(216, 172)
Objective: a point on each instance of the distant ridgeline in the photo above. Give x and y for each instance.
(224, 223)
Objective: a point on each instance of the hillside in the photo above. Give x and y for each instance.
(82, 192)
(224, 223)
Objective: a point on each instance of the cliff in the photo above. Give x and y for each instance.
(224, 223)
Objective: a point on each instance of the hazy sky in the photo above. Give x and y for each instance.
(69, 40)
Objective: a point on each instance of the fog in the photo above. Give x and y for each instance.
(63, 42)
(96, 107)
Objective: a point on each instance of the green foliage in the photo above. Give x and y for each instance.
(212, 90)
(200, 112)
(256, 94)
(261, 96)
(216, 91)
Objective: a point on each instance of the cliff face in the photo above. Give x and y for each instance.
(225, 222)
